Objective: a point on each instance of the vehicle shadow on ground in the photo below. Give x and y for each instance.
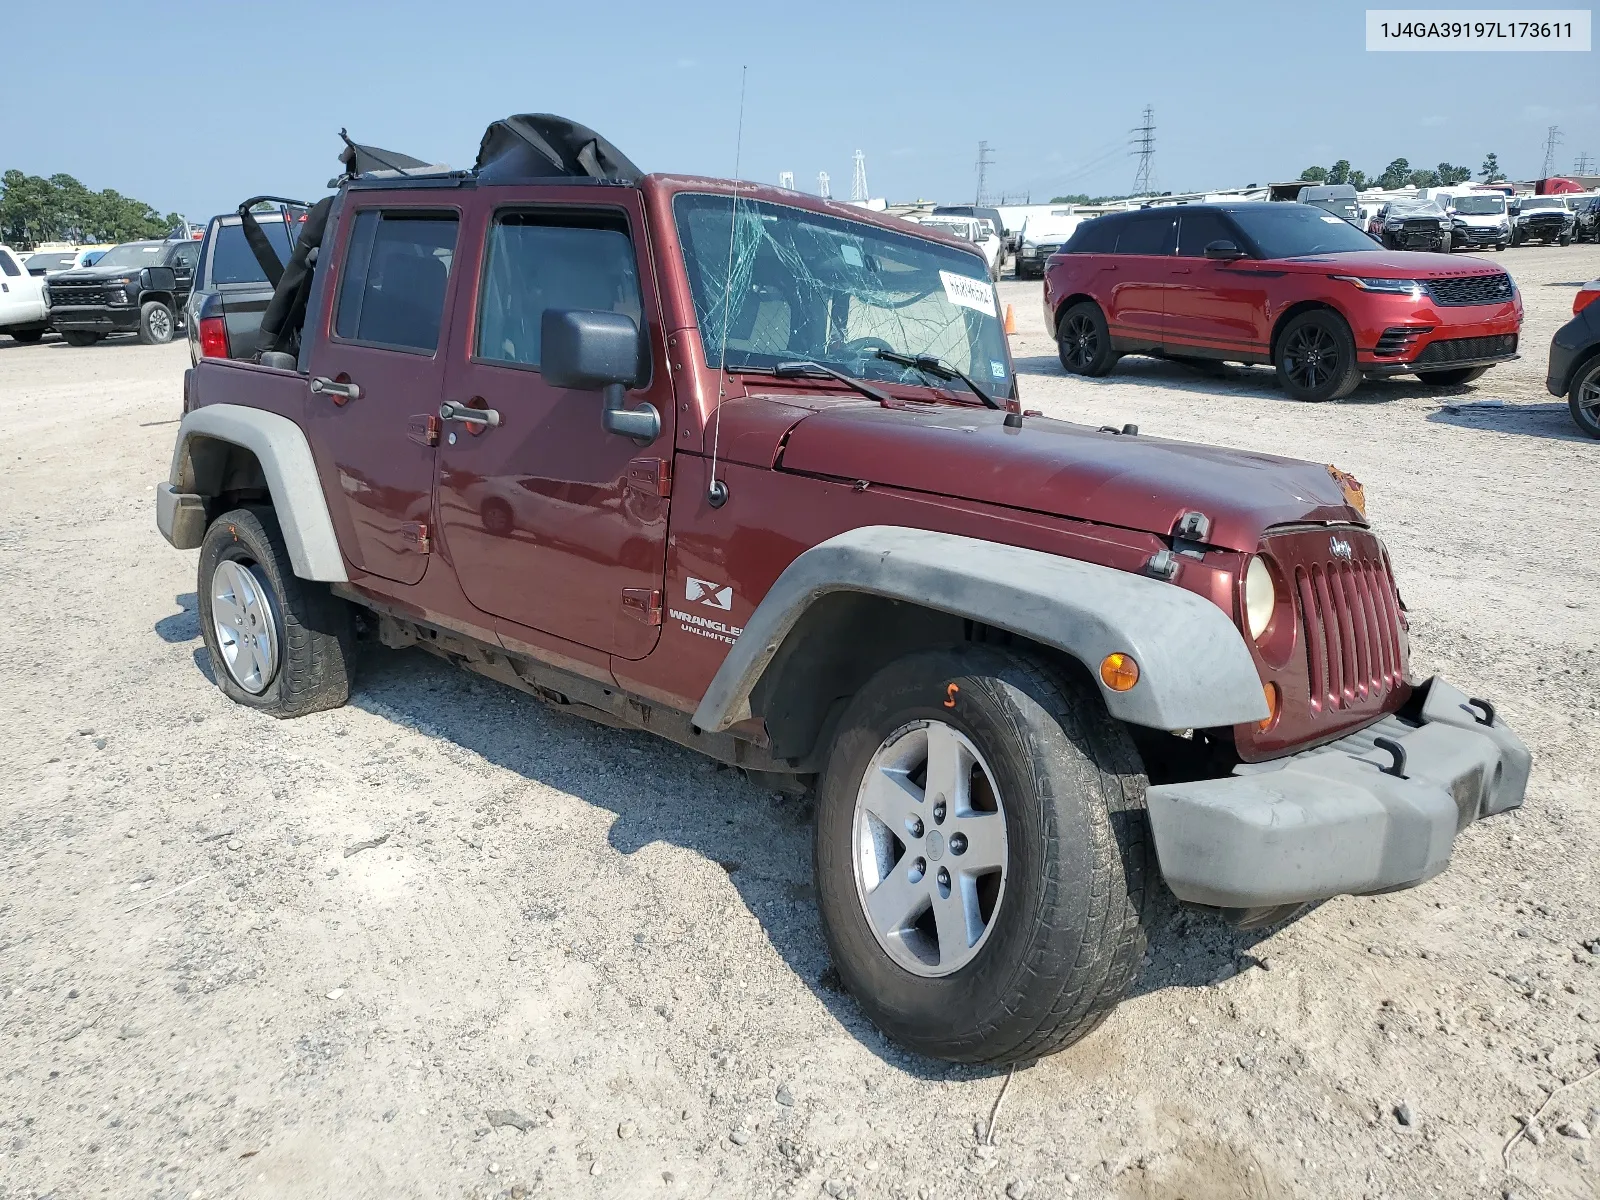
(1530, 420)
(181, 626)
(660, 792)
(1138, 371)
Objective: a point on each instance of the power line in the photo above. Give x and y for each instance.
(858, 181)
(985, 157)
(1551, 141)
(1144, 145)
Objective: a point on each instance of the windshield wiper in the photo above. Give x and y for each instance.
(799, 370)
(938, 369)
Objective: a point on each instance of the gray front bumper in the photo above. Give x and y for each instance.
(180, 517)
(1332, 821)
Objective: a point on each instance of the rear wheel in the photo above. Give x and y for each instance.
(1452, 377)
(1083, 341)
(982, 855)
(156, 323)
(1584, 398)
(81, 337)
(277, 642)
(1316, 357)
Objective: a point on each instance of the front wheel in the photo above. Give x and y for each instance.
(1499, 246)
(1083, 342)
(1452, 377)
(983, 859)
(277, 642)
(1584, 398)
(28, 336)
(156, 323)
(81, 337)
(1565, 240)
(1316, 357)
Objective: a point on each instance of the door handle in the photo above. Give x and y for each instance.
(340, 392)
(451, 411)
(1181, 271)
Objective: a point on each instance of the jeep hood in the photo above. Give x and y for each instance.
(1128, 480)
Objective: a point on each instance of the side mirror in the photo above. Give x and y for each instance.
(590, 351)
(1224, 250)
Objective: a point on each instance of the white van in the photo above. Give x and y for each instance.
(1478, 220)
(22, 311)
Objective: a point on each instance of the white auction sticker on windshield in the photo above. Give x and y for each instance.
(969, 293)
(1334, 220)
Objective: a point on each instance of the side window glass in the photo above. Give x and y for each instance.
(1094, 236)
(1198, 230)
(186, 255)
(8, 264)
(397, 268)
(1148, 234)
(536, 262)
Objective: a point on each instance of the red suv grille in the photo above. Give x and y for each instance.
(1350, 617)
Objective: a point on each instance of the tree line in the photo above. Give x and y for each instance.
(34, 209)
(1400, 172)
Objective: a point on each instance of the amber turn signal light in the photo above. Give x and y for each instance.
(1119, 672)
(1274, 700)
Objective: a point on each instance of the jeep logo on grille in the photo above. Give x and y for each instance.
(1340, 548)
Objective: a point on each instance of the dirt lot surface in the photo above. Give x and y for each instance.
(585, 963)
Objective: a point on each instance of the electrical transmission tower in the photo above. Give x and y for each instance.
(822, 184)
(1583, 165)
(858, 181)
(1552, 139)
(985, 157)
(1144, 145)
(786, 180)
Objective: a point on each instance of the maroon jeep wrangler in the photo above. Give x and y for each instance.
(747, 469)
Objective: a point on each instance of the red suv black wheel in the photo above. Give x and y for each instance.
(1083, 341)
(1316, 357)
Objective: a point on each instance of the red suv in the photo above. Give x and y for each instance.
(1286, 284)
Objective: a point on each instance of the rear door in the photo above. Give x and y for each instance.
(395, 287)
(550, 521)
(1141, 270)
(182, 259)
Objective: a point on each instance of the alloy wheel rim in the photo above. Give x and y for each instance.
(929, 848)
(1309, 357)
(246, 626)
(1589, 395)
(1081, 341)
(160, 323)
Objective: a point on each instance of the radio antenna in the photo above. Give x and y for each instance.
(717, 493)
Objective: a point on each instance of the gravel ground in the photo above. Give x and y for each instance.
(579, 962)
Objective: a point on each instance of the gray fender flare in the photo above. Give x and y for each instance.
(281, 448)
(1195, 671)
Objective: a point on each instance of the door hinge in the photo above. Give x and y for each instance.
(642, 604)
(652, 476)
(423, 429)
(416, 535)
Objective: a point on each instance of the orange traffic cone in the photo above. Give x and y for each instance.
(1011, 321)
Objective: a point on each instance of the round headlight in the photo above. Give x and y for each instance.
(1260, 597)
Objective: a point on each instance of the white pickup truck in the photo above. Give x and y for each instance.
(22, 311)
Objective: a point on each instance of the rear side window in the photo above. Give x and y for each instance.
(1096, 236)
(231, 259)
(539, 261)
(1197, 230)
(1147, 233)
(397, 267)
(9, 264)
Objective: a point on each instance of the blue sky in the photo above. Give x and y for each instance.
(193, 107)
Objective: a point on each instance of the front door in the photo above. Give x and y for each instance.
(1214, 304)
(385, 346)
(550, 521)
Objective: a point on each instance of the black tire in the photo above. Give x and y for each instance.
(1316, 357)
(1583, 400)
(28, 336)
(1453, 376)
(314, 628)
(1565, 240)
(81, 337)
(1083, 343)
(1499, 246)
(1067, 934)
(156, 323)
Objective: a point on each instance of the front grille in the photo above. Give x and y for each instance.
(1429, 227)
(64, 295)
(1448, 350)
(1350, 615)
(1471, 289)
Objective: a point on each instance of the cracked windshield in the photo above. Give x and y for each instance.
(807, 287)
